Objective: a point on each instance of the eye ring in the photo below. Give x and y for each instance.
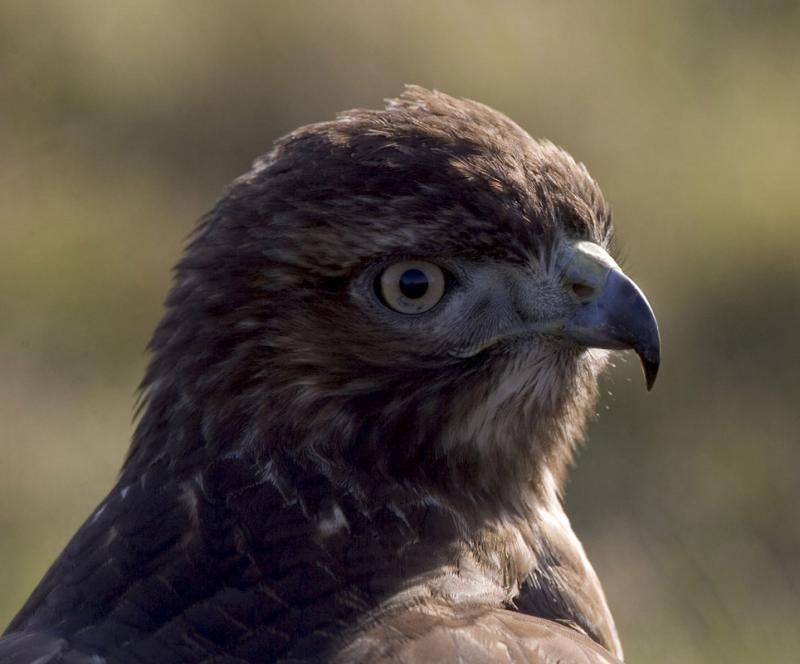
(411, 287)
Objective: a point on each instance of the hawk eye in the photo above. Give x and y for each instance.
(411, 287)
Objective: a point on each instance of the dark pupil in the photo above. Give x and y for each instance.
(413, 283)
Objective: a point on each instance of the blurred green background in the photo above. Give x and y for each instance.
(120, 123)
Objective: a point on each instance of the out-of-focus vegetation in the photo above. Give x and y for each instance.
(122, 122)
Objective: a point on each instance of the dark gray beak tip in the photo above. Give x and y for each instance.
(650, 368)
(640, 327)
(633, 322)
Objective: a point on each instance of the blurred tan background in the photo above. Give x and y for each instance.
(120, 123)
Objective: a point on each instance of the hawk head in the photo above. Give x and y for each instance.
(379, 352)
(421, 295)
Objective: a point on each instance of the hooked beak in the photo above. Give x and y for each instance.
(612, 311)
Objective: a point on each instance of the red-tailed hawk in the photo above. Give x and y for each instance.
(376, 360)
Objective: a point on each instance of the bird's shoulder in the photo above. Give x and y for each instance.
(437, 632)
(222, 562)
(230, 560)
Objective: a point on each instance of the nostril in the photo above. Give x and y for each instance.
(582, 290)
